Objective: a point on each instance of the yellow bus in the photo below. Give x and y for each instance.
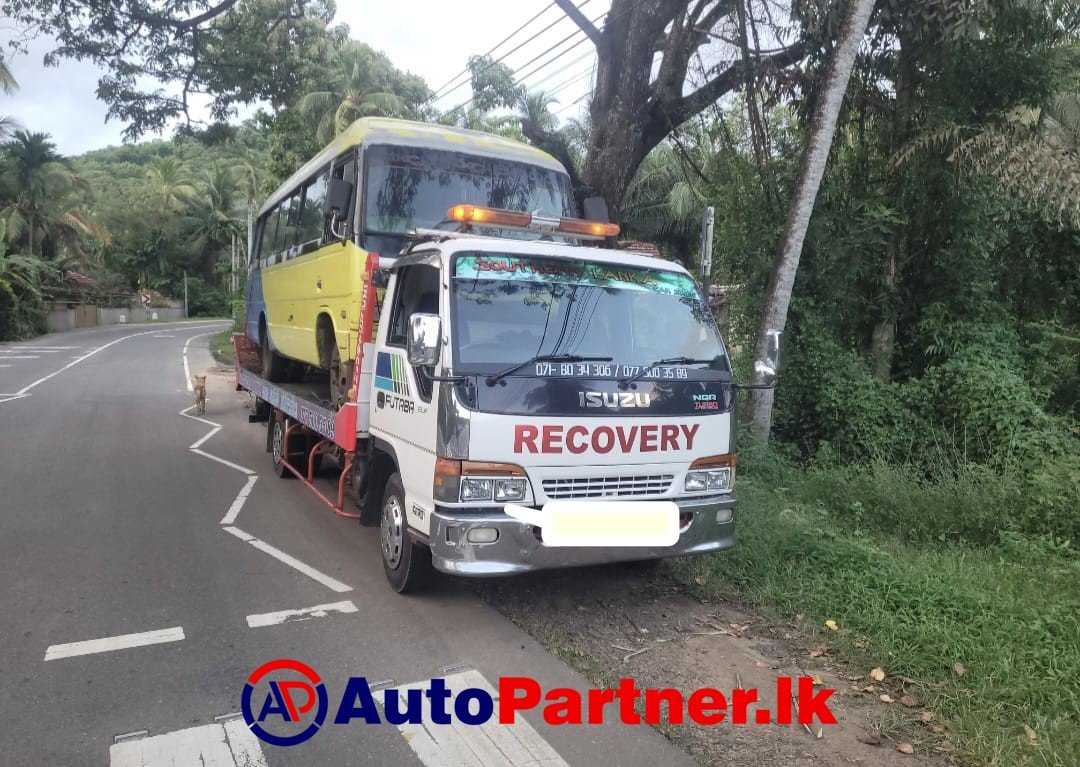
(377, 181)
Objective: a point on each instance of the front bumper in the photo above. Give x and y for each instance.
(519, 548)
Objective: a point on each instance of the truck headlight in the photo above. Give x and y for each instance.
(475, 489)
(479, 482)
(711, 475)
(510, 490)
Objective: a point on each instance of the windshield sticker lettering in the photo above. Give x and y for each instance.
(606, 370)
(578, 272)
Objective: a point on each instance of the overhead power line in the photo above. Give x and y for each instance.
(519, 81)
(503, 58)
(439, 90)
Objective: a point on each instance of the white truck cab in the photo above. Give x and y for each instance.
(521, 372)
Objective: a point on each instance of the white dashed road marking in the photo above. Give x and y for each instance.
(187, 370)
(234, 510)
(229, 519)
(331, 583)
(109, 644)
(46, 348)
(230, 744)
(304, 614)
(486, 745)
(26, 389)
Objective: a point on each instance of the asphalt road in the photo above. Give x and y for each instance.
(111, 525)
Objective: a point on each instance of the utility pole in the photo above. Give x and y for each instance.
(185, 295)
(708, 224)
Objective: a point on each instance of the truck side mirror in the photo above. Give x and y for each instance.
(766, 368)
(425, 339)
(595, 209)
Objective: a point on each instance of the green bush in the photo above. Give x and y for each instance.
(22, 315)
(829, 396)
(207, 301)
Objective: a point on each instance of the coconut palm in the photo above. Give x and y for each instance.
(8, 83)
(353, 93)
(212, 215)
(170, 188)
(16, 271)
(35, 184)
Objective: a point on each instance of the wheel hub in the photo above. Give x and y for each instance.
(392, 532)
(278, 440)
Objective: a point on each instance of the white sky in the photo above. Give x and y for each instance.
(431, 38)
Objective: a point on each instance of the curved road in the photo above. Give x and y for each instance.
(111, 529)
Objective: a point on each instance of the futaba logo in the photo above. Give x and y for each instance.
(614, 400)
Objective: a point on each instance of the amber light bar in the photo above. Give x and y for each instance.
(475, 214)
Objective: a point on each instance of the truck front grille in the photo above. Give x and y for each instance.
(637, 486)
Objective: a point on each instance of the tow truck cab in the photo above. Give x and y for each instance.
(507, 371)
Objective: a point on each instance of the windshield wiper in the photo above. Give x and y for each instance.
(494, 379)
(667, 361)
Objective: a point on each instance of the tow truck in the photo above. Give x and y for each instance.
(506, 390)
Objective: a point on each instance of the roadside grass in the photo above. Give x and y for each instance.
(222, 349)
(851, 546)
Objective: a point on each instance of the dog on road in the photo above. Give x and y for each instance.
(199, 383)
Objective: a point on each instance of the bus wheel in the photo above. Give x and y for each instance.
(407, 564)
(275, 368)
(340, 378)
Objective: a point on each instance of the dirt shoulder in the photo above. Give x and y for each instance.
(615, 622)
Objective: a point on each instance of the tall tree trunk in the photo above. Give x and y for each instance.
(811, 171)
(883, 338)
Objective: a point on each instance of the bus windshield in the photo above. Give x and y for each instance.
(508, 308)
(410, 188)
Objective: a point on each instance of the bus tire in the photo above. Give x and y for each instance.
(340, 378)
(407, 564)
(275, 368)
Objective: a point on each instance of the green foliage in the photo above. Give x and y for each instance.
(157, 53)
(362, 83)
(1009, 612)
(493, 84)
(205, 300)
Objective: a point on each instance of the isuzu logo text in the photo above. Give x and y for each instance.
(613, 400)
(557, 439)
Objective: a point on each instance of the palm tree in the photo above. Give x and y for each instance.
(170, 188)
(25, 272)
(212, 215)
(35, 183)
(534, 107)
(8, 83)
(353, 94)
(812, 169)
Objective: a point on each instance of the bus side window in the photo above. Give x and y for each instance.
(268, 241)
(311, 220)
(287, 228)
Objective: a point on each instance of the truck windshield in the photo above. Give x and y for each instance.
(409, 188)
(508, 308)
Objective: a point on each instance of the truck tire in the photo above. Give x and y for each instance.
(278, 426)
(407, 564)
(275, 368)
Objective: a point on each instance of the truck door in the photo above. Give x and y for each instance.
(403, 411)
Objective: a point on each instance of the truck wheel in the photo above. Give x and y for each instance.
(407, 564)
(340, 378)
(275, 368)
(277, 449)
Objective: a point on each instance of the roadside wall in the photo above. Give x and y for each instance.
(63, 317)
